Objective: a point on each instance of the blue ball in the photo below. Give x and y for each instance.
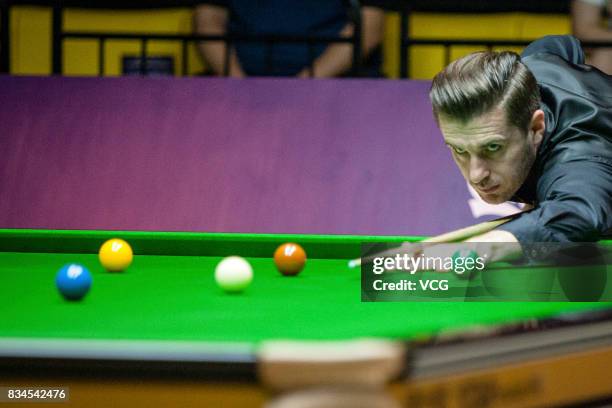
(73, 281)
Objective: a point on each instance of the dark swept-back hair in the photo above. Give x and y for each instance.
(483, 81)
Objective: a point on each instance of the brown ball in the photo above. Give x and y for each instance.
(289, 258)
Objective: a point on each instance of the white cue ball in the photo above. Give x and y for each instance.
(233, 274)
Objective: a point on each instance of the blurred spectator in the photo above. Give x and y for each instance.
(294, 17)
(589, 25)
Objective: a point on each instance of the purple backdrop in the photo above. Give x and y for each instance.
(256, 155)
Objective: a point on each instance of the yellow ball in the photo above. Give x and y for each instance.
(116, 255)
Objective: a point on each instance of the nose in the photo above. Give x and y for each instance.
(479, 170)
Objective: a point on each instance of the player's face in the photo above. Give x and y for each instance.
(493, 157)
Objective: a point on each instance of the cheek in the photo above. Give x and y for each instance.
(508, 175)
(507, 165)
(503, 169)
(511, 173)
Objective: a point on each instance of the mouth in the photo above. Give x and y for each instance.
(488, 190)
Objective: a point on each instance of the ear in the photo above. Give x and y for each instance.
(537, 126)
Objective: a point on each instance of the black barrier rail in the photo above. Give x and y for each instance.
(59, 35)
(4, 37)
(269, 40)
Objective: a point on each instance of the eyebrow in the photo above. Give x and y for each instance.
(493, 139)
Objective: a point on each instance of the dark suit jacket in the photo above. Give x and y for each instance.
(571, 181)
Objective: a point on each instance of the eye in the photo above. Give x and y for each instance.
(493, 147)
(457, 150)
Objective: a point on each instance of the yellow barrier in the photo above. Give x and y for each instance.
(31, 38)
(426, 60)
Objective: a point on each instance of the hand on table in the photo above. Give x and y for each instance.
(493, 246)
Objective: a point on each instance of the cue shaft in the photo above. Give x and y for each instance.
(452, 236)
(468, 232)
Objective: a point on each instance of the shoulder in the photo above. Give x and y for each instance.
(567, 81)
(566, 47)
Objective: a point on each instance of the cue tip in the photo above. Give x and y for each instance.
(354, 263)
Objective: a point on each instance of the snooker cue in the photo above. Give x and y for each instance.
(452, 236)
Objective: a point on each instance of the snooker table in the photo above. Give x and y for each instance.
(162, 332)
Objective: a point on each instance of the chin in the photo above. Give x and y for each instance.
(493, 198)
